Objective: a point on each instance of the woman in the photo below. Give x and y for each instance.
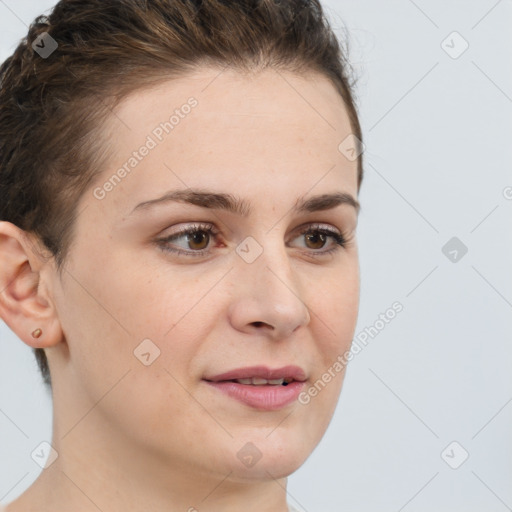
(178, 246)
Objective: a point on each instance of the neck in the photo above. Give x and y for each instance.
(101, 470)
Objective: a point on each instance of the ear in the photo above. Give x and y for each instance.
(25, 301)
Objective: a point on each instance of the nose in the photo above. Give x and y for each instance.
(267, 297)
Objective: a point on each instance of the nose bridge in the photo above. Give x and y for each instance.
(267, 263)
(268, 292)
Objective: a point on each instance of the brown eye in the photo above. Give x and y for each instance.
(192, 241)
(315, 237)
(198, 240)
(316, 240)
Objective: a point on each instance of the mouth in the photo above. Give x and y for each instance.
(260, 387)
(257, 381)
(261, 375)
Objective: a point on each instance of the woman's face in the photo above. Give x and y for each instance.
(148, 324)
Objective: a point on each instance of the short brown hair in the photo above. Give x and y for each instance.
(51, 109)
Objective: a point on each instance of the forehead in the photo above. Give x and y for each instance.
(220, 128)
(228, 90)
(227, 100)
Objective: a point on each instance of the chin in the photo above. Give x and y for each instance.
(266, 470)
(275, 455)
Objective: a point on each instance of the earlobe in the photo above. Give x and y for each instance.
(25, 303)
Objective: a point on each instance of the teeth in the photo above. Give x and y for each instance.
(258, 381)
(244, 381)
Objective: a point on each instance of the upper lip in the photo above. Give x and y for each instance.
(263, 372)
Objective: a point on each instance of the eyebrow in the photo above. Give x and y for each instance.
(233, 204)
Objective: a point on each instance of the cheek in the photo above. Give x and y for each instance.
(104, 334)
(106, 317)
(335, 311)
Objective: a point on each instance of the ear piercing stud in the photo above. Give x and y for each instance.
(37, 333)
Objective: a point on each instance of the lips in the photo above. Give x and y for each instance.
(260, 387)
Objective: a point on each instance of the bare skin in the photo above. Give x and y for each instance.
(132, 437)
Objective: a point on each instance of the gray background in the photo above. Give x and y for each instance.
(437, 128)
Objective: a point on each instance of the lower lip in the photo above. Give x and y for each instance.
(266, 398)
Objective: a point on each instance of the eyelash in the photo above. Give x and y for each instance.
(340, 239)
